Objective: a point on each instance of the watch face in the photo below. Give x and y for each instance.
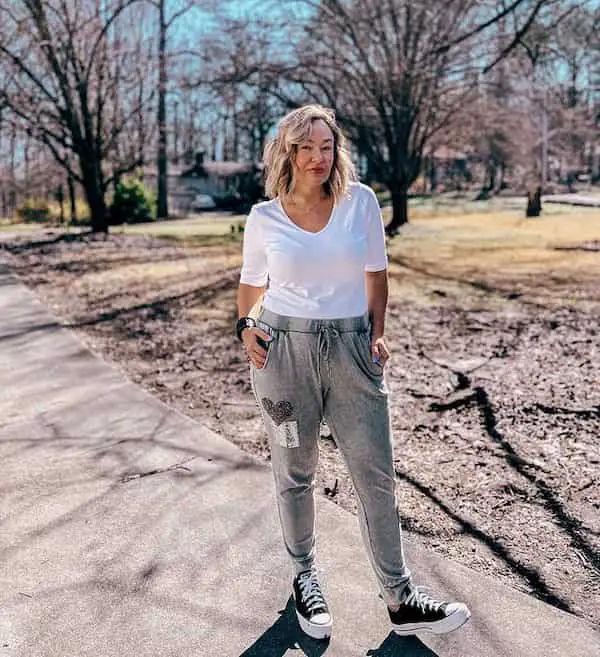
(244, 322)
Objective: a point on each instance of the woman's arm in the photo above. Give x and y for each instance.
(247, 297)
(377, 298)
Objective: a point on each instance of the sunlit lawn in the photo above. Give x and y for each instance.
(207, 229)
(446, 246)
(500, 249)
(7, 226)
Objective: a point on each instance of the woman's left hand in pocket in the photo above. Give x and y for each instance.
(379, 351)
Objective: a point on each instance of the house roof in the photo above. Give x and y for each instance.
(212, 168)
(227, 168)
(219, 169)
(446, 153)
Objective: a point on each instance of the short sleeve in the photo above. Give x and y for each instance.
(376, 251)
(254, 261)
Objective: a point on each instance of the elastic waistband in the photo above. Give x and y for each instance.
(304, 325)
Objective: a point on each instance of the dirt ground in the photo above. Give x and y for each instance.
(495, 392)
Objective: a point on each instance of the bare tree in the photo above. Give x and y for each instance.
(572, 49)
(62, 78)
(235, 73)
(558, 93)
(162, 159)
(399, 72)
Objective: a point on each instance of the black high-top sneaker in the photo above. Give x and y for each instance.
(311, 608)
(419, 612)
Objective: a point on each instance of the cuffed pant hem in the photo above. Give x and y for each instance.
(301, 566)
(392, 596)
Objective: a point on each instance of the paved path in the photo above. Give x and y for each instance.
(128, 530)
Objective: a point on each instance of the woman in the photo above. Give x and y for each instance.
(316, 251)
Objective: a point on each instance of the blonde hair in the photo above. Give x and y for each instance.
(280, 152)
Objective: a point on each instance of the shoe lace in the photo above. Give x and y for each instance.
(311, 590)
(418, 598)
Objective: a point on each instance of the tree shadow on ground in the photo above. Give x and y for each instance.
(483, 286)
(79, 262)
(570, 525)
(161, 308)
(531, 575)
(477, 396)
(79, 266)
(585, 413)
(31, 245)
(476, 284)
(50, 327)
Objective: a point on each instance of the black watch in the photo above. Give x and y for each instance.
(243, 323)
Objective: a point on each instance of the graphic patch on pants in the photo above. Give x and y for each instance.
(285, 429)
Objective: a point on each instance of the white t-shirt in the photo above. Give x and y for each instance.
(315, 275)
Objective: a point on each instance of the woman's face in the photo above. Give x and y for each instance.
(314, 158)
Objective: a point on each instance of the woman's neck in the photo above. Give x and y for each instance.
(303, 196)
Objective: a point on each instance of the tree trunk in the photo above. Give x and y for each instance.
(596, 163)
(534, 203)
(92, 186)
(491, 183)
(72, 198)
(432, 175)
(162, 209)
(60, 197)
(99, 217)
(399, 208)
(502, 183)
(176, 134)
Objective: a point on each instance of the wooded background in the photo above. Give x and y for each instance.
(434, 95)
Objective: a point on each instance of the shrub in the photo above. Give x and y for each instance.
(132, 203)
(81, 209)
(34, 211)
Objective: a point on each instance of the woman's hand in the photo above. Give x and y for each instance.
(379, 351)
(255, 352)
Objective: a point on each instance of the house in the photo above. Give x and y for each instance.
(230, 185)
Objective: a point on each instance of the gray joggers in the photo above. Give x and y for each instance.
(323, 369)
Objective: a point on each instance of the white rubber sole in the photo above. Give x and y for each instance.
(448, 624)
(314, 630)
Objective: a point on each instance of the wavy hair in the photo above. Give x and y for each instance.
(280, 153)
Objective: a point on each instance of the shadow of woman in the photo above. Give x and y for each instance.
(407, 646)
(285, 634)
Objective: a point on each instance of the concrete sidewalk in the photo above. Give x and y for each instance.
(128, 530)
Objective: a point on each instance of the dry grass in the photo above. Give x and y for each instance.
(441, 250)
(210, 228)
(500, 249)
(449, 253)
(491, 250)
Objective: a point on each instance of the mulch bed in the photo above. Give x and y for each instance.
(496, 399)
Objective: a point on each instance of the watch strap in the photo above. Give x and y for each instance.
(243, 323)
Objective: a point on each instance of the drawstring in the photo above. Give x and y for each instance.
(324, 342)
(325, 335)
